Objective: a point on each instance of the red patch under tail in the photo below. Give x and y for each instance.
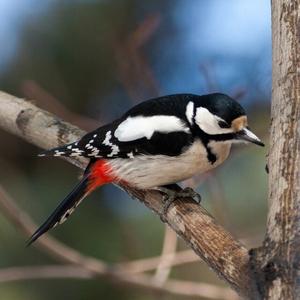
(100, 174)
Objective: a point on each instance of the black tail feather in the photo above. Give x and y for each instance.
(64, 209)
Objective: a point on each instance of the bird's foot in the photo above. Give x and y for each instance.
(174, 192)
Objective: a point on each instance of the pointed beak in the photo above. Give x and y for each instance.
(247, 135)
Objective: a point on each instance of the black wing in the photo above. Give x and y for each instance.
(102, 143)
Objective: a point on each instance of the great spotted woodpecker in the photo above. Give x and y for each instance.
(156, 143)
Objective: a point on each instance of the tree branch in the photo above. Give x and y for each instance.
(168, 253)
(83, 266)
(43, 272)
(151, 263)
(173, 287)
(224, 254)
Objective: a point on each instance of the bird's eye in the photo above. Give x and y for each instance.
(223, 124)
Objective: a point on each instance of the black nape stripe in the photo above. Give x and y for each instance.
(210, 155)
(205, 139)
(218, 138)
(222, 137)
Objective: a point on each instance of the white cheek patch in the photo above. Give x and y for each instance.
(208, 122)
(134, 128)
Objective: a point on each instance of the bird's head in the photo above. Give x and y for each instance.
(221, 118)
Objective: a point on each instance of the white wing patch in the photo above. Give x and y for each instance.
(190, 112)
(134, 128)
(114, 148)
(208, 122)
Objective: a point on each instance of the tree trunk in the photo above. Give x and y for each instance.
(277, 263)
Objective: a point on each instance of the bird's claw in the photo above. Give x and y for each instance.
(170, 196)
(189, 192)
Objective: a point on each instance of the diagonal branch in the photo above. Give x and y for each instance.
(222, 252)
(64, 254)
(80, 266)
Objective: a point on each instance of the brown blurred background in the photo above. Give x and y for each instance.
(89, 61)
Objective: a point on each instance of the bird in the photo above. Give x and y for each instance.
(154, 145)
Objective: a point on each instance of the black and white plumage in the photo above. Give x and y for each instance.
(159, 142)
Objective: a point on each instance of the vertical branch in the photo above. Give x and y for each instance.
(134, 71)
(279, 258)
(164, 267)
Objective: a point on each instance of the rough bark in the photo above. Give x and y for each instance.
(224, 254)
(277, 263)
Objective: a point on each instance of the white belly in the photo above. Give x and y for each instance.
(149, 171)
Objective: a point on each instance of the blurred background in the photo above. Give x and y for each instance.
(88, 61)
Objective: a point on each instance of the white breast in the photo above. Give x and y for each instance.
(149, 171)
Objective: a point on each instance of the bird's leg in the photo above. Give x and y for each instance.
(172, 192)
